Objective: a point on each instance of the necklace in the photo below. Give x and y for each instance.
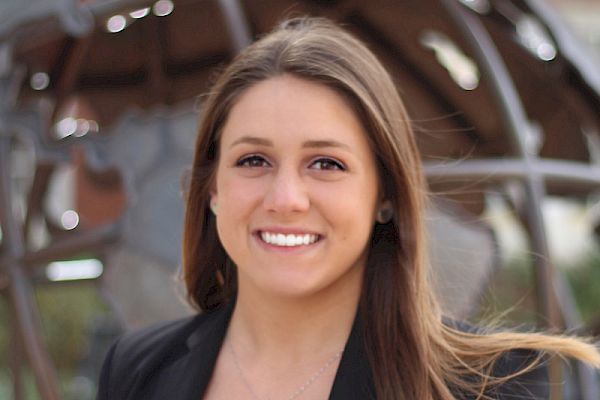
(298, 391)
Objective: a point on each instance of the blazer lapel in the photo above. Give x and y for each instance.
(353, 380)
(188, 377)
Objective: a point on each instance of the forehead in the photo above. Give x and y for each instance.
(289, 108)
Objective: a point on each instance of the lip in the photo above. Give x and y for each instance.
(286, 231)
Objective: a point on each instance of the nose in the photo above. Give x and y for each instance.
(287, 193)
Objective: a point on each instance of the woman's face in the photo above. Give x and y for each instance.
(296, 189)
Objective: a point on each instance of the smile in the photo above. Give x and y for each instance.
(288, 240)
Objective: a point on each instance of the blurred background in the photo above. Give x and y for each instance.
(98, 107)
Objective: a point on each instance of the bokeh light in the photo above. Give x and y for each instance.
(39, 80)
(116, 23)
(163, 8)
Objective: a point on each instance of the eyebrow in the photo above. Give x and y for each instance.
(308, 144)
(316, 144)
(252, 140)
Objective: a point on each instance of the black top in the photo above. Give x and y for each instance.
(175, 360)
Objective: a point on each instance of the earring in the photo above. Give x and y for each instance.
(213, 207)
(385, 213)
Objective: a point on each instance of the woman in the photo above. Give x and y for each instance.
(304, 248)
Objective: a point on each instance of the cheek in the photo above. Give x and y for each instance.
(237, 196)
(350, 211)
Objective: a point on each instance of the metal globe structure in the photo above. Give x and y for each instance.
(503, 99)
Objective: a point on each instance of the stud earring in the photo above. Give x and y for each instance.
(213, 207)
(385, 213)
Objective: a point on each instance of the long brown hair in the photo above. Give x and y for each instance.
(412, 353)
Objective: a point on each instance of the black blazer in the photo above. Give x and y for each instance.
(174, 361)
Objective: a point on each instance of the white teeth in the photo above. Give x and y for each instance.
(279, 239)
(290, 240)
(306, 239)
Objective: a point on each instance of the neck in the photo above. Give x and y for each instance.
(301, 328)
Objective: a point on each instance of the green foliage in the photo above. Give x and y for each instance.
(66, 312)
(512, 293)
(585, 283)
(510, 296)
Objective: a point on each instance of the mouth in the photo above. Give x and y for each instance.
(288, 239)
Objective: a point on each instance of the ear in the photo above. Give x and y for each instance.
(213, 200)
(385, 212)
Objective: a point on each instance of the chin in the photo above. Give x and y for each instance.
(302, 287)
(298, 289)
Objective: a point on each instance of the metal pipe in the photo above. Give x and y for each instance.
(586, 375)
(552, 171)
(16, 356)
(237, 24)
(574, 50)
(19, 289)
(516, 124)
(511, 108)
(68, 247)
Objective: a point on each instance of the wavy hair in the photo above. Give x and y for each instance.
(412, 353)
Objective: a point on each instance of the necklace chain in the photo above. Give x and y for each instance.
(301, 389)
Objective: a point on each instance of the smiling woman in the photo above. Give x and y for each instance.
(292, 158)
(304, 248)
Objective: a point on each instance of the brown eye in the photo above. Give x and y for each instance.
(327, 164)
(253, 161)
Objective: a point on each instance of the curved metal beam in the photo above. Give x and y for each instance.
(237, 24)
(572, 49)
(551, 171)
(517, 125)
(84, 242)
(19, 290)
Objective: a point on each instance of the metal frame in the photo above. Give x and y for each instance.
(26, 336)
(550, 285)
(532, 172)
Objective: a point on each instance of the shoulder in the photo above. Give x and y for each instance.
(137, 352)
(523, 371)
(527, 375)
(140, 345)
